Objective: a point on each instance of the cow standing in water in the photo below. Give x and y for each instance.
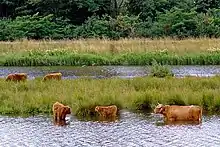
(179, 113)
(107, 113)
(60, 111)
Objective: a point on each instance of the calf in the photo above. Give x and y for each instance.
(106, 111)
(56, 76)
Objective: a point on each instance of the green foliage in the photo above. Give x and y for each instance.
(75, 11)
(33, 27)
(204, 5)
(177, 23)
(96, 27)
(151, 8)
(113, 19)
(208, 24)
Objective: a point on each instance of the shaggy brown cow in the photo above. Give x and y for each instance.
(60, 111)
(179, 113)
(55, 76)
(106, 111)
(17, 77)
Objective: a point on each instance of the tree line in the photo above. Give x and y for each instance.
(112, 19)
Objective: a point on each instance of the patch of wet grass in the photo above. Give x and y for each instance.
(34, 97)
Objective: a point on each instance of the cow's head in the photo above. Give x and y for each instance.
(97, 108)
(160, 108)
(67, 110)
(24, 76)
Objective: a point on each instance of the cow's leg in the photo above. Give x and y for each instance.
(55, 116)
(59, 116)
(63, 116)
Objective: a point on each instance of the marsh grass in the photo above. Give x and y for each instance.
(82, 95)
(202, 51)
(103, 46)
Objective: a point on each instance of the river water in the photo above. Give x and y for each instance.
(70, 72)
(131, 130)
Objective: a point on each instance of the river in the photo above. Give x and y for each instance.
(131, 130)
(70, 72)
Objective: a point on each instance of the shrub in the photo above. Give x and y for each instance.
(160, 71)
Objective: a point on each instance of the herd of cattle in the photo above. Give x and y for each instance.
(171, 113)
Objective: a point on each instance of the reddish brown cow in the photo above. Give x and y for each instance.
(17, 77)
(55, 76)
(60, 111)
(107, 111)
(179, 113)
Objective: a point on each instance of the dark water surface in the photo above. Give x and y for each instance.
(70, 72)
(131, 130)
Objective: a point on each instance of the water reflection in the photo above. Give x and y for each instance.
(109, 119)
(181, 123)
(60, 123)
(99, 119)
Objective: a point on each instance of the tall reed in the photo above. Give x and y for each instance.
(103, 46)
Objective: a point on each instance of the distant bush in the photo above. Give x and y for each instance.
(177, 23)
(34, 27)
(48, 27)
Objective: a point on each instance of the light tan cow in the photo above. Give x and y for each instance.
(60, 111)
(17, 77)
(55, 76)
(179, 113)
(107, 111)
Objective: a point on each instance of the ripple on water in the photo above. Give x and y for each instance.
(131, 130)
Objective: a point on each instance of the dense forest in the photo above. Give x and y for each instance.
(112, 19)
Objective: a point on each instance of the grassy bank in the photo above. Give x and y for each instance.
(34, 96)
(67, 58)
(105, 52)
